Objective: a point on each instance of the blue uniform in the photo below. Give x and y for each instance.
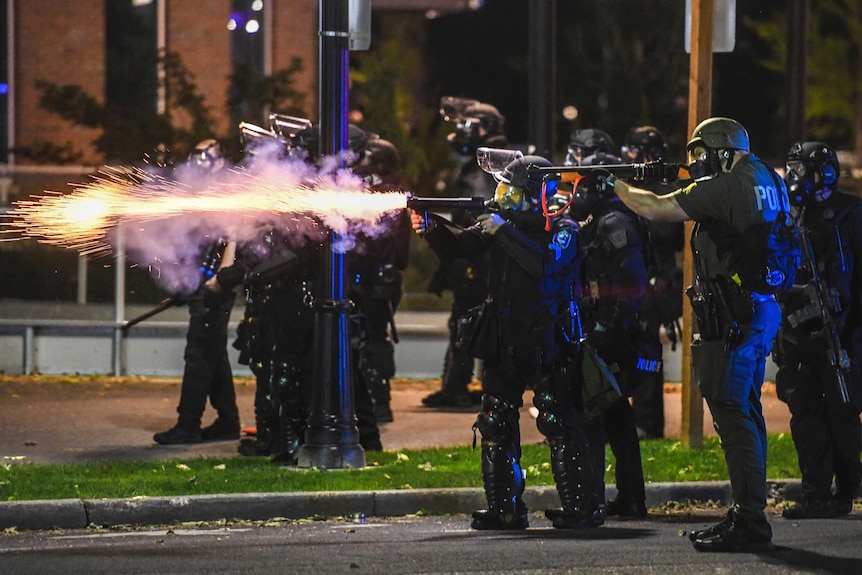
(731, 379)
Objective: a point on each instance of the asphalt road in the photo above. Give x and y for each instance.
(428, 545)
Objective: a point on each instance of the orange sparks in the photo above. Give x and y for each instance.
(82, 219)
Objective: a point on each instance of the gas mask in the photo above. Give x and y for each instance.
(705, 161)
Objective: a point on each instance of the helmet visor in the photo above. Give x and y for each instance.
(508, 197)
(494, 160)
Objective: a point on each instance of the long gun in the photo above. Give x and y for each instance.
(637, 172)
(823, 298)
(209, 266)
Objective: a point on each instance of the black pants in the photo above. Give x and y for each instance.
(207, 373)
(826, 432)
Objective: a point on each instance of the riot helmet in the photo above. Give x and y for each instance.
(379, 163)
(587, 142)
(812, 171)
(308, 140)
(207, 156)
(713, 145)
(591, 192)
(643, 144)
(475, 124)
(518, 187)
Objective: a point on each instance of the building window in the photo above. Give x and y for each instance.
(246, 24)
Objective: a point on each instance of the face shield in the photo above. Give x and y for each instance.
(494, 160)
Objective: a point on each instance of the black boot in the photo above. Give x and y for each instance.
(292, 418)
(179, 435)
(573, 474)
(501, 468)
(265, 419)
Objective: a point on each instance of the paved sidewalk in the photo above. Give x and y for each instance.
(45, 420)
(102, 419)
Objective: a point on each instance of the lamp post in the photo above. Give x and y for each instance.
(332, 437)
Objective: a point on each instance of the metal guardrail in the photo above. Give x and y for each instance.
(69, 330)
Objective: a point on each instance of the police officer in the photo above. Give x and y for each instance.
(614, 240)
(662, 306)
(586, 142)
(826, 431)
(207, 372)
(733, 191)
(376, 269)
(476, 124)
(525, 336)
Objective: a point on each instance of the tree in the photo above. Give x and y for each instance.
(834, 82)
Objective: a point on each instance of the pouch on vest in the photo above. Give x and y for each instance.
(767, 255)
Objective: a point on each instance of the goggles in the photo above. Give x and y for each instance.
(631, 151)
(574, 155)
(508, 197)
(795, 169)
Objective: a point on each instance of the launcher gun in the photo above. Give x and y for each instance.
(426, 205)
(823, 299)
(208, 268)
(636, 172)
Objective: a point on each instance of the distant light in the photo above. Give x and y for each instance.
(257, 5)
(570, 112)
(4, 88)
(137, 3)
(231, 24)
(252, 26)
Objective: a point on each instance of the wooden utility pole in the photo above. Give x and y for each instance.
(699, 108)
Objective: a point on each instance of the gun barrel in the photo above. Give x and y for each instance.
(165, 304)
(427, 204)
(637, 171)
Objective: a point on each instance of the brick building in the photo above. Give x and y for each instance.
(65, 43)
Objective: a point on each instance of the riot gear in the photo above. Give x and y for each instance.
(713, 144)
(517, 184)
(475, 122)
(379, 163)
(585, 143)
(812, 172)
(591, 191)
(207, 156)
(308, 140)
(643, 144)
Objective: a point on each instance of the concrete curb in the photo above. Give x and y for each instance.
(81, 513)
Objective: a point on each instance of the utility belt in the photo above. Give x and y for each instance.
(722, 308)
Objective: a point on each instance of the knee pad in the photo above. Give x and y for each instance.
(548, 421)
(497, 420)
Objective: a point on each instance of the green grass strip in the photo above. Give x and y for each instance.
(664, 460)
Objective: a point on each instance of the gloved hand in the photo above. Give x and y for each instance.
(230, 277)
(490, 222)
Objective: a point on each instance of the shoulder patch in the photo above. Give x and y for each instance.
(562, 239)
